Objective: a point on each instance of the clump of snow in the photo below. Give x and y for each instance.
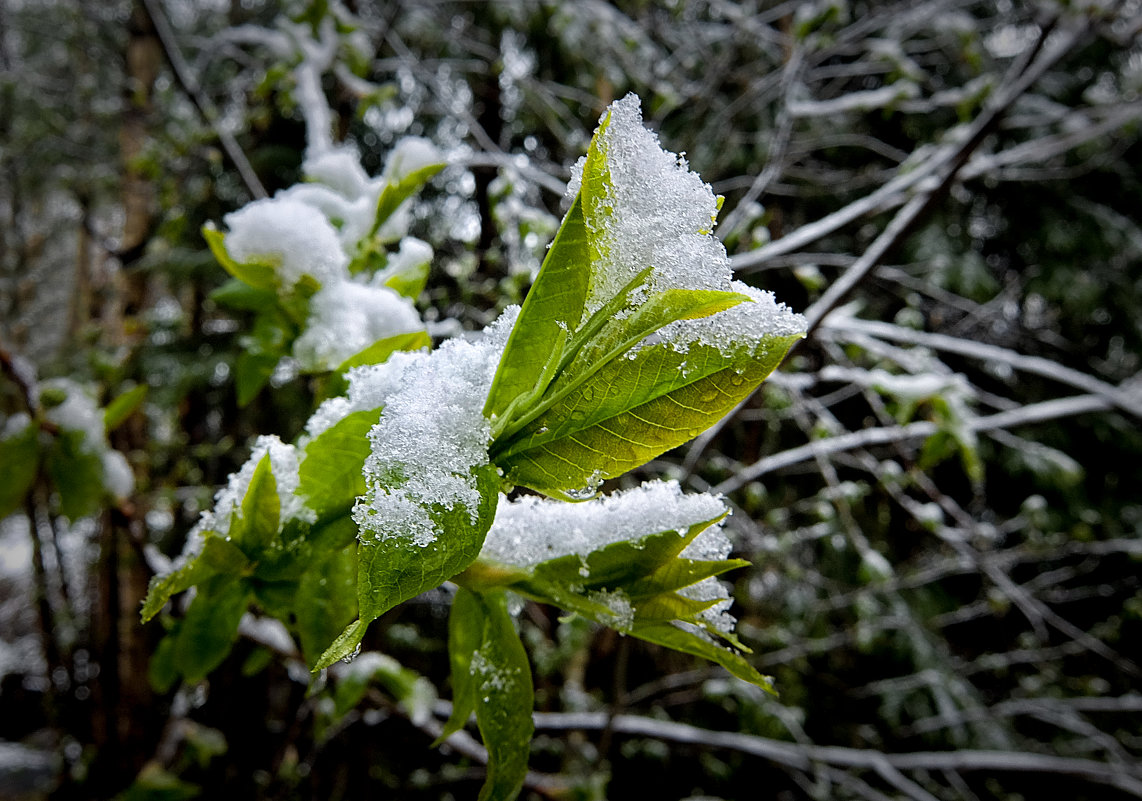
(75, 411)
(294, 236)
(711, 545)
(346, 317)
(351, 217)
(117, 475)
(715, 616)
(431, 438)
(655, 212)
(531, 530)
(412, 254)
(369, 388)
(412, 153)
(340, 169)
(73, 408)
(738, 329)
(15, 425)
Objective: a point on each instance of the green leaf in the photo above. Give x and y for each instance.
(552, 310)
(253, 372)
(239, 295)
(259, 275)
(394, 194)
(77, 474)
(217, 556)
(619, 329)
(689, 642)
(619, 564)
(465, 633)
(393, 570)
(162, 672)
(504, 699)
(629, 411)
(380, 350)
(261, 512)
(19, 463)
(409, 282)
(204, 637)
(669, 606)
(122, 406)
(680, 573)
(330, 474)
(155, 783)
(326, 601)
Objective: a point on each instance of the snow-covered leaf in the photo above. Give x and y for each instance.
(393, 569)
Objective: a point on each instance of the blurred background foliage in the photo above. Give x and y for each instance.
(938, 492)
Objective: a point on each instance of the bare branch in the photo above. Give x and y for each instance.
(1127, 778)
(1036, 365)
(189, 84)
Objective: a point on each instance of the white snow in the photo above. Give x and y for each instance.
(431, 438)
(412, 254)
(620, 612)
(369, 388)
(412, 153)
(346, 317)
(738, 329)
(15, 425)
(655, 212)
(340, 169)
(117, 475)
(294, 236)
(78, 411)
(354, 216)
(531, 530)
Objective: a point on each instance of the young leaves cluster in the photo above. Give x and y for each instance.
(632, 340)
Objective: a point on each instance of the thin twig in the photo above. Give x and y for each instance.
(189, 84)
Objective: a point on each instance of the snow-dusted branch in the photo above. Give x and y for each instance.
(1127, 778)
(948, 164)
(1119, 397)
(872, 437)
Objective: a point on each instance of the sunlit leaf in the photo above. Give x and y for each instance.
(631, 410)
